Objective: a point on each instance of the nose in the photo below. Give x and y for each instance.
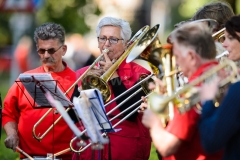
(46, 54)
(107, 43)
(225, 45)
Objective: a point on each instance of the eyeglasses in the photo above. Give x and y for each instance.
(111, 40)
(50, 51)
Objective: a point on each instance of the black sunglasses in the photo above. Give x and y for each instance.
(50, 51)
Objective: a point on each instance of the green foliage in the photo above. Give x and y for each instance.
(70, 14)
(5, 153)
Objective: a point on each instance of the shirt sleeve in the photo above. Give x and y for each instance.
(218, 126)
(11, 112)
(184, 125)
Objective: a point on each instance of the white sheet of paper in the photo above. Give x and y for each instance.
(85, 105)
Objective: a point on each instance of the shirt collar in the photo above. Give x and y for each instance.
(202, 69)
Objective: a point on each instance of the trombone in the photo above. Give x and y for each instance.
(113, 100)
(39, 138)
(190, 94)
(148, 40)
(95, 82)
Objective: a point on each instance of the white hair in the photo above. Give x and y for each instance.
(126, 31)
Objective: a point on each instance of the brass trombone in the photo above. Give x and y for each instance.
(113, 100)
(95, 82)
(146, 41)
(189, 94)
(39, 138)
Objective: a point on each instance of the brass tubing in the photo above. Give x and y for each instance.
(39, 138)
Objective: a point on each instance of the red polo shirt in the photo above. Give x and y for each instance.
(185, 127)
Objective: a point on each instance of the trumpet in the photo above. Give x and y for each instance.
(189, 93)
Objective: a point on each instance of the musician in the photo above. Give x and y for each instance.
(219, 11)
(195, 52)
(19, 116)
(132, 141)
(219, 127)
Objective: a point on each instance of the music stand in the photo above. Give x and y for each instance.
(37, 84)
(90, 108)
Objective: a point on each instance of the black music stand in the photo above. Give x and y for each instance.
(37, 84)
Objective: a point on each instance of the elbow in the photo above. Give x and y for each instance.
(168, 150)
(166, 153)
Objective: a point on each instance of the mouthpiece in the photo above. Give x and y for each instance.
(105, 50)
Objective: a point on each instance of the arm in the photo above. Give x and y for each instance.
(165, 142)
(10, 115)
(218, 128)
(12, 139)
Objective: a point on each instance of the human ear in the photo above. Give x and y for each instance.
(64, 48)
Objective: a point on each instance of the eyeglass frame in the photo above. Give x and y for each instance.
(48, 50)
(109, 39)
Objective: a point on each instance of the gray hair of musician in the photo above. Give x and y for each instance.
(50, 31)
(195, 36)
(126, 30)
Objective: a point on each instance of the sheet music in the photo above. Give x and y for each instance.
(91, 110)
(39, 83)
(64, 114)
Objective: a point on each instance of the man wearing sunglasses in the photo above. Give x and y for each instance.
(132, 141)
(18, 115)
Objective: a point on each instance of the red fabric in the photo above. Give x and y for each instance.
(21, 55)
(18, 109)
(133, 140)
(184, 126)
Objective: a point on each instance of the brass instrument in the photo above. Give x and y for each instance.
(224, 54)
(150, 38)
(39, 138)
(75, 138)
(189, 93)
(219, 35)
(93, 81)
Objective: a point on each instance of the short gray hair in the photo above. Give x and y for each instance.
(126, 31)
(197, 37)
(50, 31)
